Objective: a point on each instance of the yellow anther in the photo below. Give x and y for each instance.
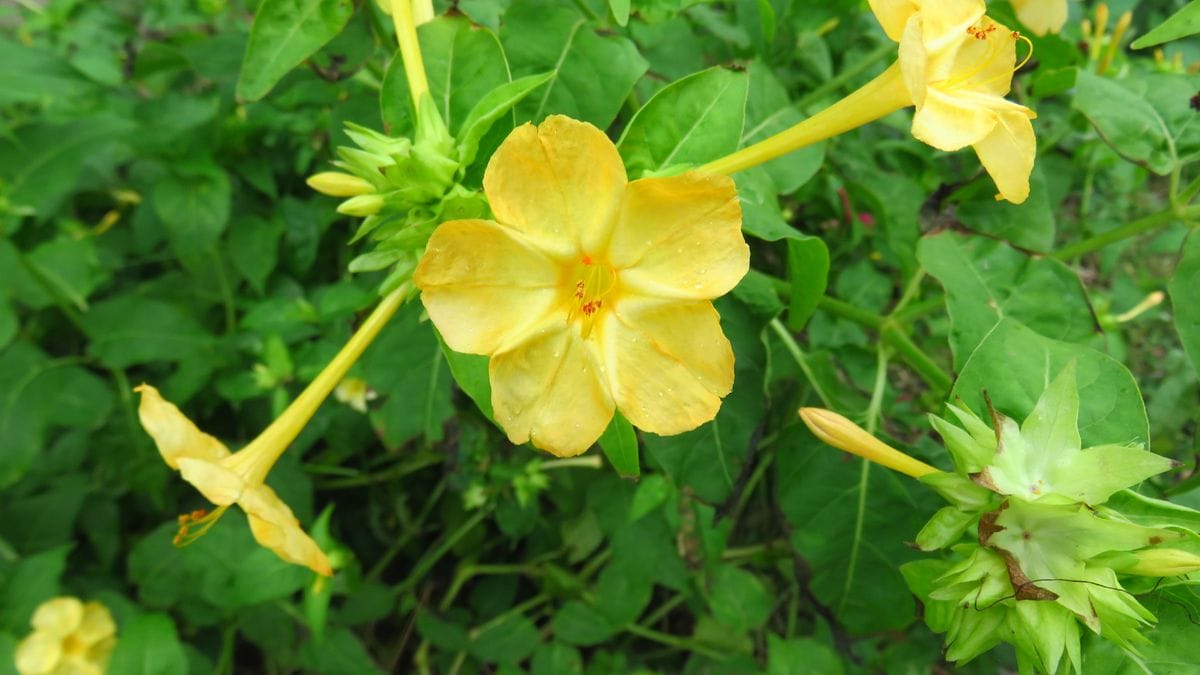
(199, 517)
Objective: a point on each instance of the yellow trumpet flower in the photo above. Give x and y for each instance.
(847, 436)
(589, 293)
(68, 636)
(226, 478)
(955, 66)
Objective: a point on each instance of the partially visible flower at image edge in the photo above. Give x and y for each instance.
(226, 478)
(589, 293)
(69, 636)
(1042, 16)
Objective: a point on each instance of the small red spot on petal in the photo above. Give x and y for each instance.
(587, 259)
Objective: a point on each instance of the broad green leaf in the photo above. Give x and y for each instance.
(509, 641)
(1029, 225)
(652, 491)
(1181, 24)
(593, 73)
(489, 109)
(620, 445)
(149, 645)
(1184, 287)
(689, 122)
(133, 329)
(193, 206)
(986, 281)
(340, 653)
(556, 658)
(463, 64)
(708, 459)
(738, 599)
(65, 269)
(579, 624)
(769, 111)
(284, 34)
(808, 273)
(621, 593)
(470, 372)
(9, 324)
(1126, 121)
(33, 74)
(800, 656)
(1014, 365)
(26, 583)
(38, 522)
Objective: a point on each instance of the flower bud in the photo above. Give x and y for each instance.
(361, 206)
(845, 435)
(337, 184)
(1162, 562)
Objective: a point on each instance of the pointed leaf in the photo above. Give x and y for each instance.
(284, 34)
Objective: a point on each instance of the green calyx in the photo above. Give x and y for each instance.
(1040, 532)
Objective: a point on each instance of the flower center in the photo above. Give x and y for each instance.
(989, 32)
(196, 524)
(591, 283)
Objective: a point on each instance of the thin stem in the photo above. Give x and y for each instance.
(789, 343)
(430, 559)
(878, 98)
(892, 332)
(410, 50)
(676, 642)
(1126, 231)
(592, 461)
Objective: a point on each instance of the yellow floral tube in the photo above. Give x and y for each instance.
(845, 435)
(226, 478)
(410, 49)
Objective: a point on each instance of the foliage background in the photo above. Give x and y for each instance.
(157, 228)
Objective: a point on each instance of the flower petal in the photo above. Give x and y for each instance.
(680, 237)
(945, 23)
(952, 123)
(893, 15)
(1042, 16)
(218, 484)
(1008, 153)
(276, 527)
(551, 390)
(96, 625)
(484, 286)
(38, 653)
(989, 63)
(669, 364)
(58, 616)
(174, 434)
(558, 183)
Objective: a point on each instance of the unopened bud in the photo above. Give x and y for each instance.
(845, 435)
(1162, 562)
(336, 184)
(361, 206)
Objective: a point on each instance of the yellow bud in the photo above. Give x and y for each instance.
(1163, 562)
(361, 206)
(845, 435)
(337, 184)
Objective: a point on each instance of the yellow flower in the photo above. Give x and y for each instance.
(589, 292)
(1042, 16)
(68, 637)
(847, 436)
(355, 392)
(225, 479)
(955, 65)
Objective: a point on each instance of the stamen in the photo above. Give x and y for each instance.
(205, 520)
(597, 282)
(1028, 55)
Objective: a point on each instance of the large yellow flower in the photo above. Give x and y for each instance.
(226, 478)
(957, 66)
(589, 292)
(1042, 16)
(68, 637)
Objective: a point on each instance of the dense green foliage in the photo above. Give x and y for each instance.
(157, 227)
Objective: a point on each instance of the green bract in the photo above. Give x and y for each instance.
(1045, 551)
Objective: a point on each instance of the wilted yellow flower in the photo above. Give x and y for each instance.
(68, 637)
(1042, 16)
(225, 479)
(955, 66)
(589, 292)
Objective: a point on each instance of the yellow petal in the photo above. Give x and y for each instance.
(1008, 153)
(218, 484)
(680, 237)
(558, 183)
(96, 624)
(952, 123)
(551, 390)
(1042, 16)
(893, 15)
(38, 653)
(986, 66)
(174, 434)
(669, 364)
(945, 22)
(484, 286)
(275, 527)
(58, 616)
(914, 61)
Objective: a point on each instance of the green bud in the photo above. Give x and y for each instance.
(1159, 562)
(361, 206)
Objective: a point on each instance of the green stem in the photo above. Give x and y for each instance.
(892, 332)
(443, 547)
(393, 473)
(789, 343)
(837, 81)
(676, 642)
(1134, 228)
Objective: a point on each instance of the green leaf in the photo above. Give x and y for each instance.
(738, 599)
(688, 122)
(463, 64)
(284, 34)
(193, 206)
(579, 624)
(148, 645)
(594, 74)
(808, 274)
(340, 653)
(1014, 364)
(800, 656)
(131, 330)
(709, 458)
(489, 109)
(1183, 298)
(620, 445)
(1029, 225)
(556, 658)
(470, 372)
(652, 492)
(36, 75)
(769, 111)
(986, 280)
(1181, 24)
(1125, 121)
(511, 640)
(26, 583)
(38, 522)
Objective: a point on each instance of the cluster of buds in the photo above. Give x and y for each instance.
(1041, 533)
(402, 188)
